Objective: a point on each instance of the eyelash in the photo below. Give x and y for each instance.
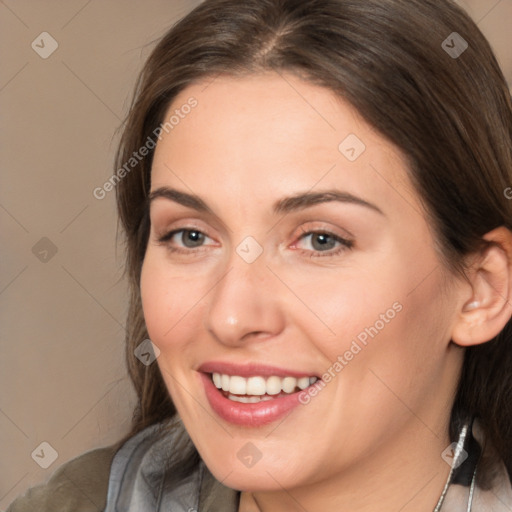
(165, 240)
(345, 244)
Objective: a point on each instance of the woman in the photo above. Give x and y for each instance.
(314, 197)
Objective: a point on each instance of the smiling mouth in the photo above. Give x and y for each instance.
(257, 388)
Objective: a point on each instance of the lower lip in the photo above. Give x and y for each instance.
(248, 415)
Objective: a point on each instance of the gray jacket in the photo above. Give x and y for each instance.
(147, 473)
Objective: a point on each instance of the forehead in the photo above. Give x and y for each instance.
(271, 132)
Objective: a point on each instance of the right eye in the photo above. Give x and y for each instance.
(182, 239)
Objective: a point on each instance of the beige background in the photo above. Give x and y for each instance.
(62, 364)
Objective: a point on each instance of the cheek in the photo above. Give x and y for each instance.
(336, 307)
(379, 320)
(169, 301)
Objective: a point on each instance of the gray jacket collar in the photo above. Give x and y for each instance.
(159, 470)
(147, 475)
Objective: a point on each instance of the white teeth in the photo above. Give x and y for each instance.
(237, 385)
(273, 386)
(225, 382)
(249, 399)
(303, 382)
(289, 384)
(256, 387)
(217, 380)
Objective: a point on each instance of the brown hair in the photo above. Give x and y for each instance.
(451, 117)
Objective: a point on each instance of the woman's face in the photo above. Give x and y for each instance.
(287, 245)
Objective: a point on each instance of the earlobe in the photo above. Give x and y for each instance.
(488, 308)
(471, 305)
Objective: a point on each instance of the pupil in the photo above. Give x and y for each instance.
(323, 242)
(192, 238)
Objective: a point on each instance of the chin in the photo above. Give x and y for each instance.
(249, 481)
(264, 475)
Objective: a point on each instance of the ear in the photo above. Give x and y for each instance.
(486, 306)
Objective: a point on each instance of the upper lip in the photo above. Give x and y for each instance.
(251, 370)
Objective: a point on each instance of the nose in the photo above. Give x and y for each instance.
(244, 304)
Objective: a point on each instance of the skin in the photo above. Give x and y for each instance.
(372, 438)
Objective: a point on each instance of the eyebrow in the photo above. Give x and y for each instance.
(188, 200)
(296, 202)
(308, 199)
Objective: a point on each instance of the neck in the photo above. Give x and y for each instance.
(410, 482)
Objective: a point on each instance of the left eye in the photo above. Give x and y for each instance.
(323, 242)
